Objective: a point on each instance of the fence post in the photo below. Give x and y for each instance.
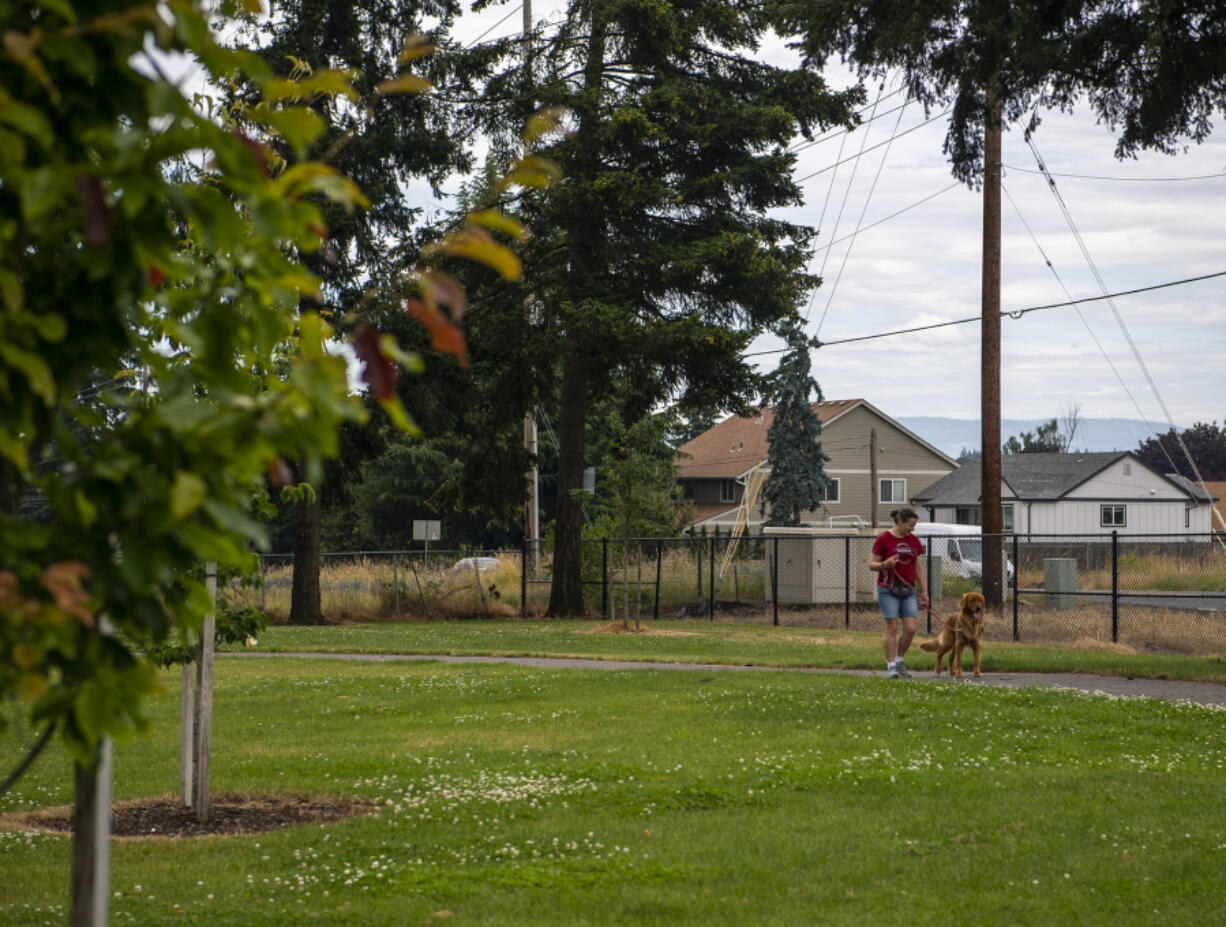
(1017, 578)
(604, 578)
(775, 580)
(928, 584)
(1115, 586)
(263, 581)
(523, 578)
(847, 581)
(659, 557)
(396, 581)
(700, 570)
(711, 582)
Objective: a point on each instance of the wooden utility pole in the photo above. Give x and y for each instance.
(874, 491)
(532, 505)
(989, 478)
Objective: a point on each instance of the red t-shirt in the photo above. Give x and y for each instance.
(908, 549)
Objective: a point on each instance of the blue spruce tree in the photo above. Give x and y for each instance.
(797, 477)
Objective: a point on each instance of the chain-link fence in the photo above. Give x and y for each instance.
(1160, 593)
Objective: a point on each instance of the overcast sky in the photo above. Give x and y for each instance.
(924, 267)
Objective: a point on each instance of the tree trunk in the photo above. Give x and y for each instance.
(566, 592)
(304, 597)
(91, 831)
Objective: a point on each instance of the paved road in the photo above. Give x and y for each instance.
(1202, 693)
(1192, 601)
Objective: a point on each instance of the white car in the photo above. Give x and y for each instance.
(961, 547)
(481, 564)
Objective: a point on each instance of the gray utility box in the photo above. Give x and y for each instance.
(1060, 582)
(813, 565)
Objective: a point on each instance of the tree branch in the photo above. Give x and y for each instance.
(29, 759)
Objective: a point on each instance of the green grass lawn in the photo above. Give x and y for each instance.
(512, 795)
(709, 642)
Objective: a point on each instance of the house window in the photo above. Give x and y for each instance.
(966, 515)
(831, 492)
(892, 491)
(1112, 516)
(727, 490)
(1006, 518)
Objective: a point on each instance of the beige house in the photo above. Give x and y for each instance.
(715, 468)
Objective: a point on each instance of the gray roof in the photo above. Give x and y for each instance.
(1036, 477)
(1193, 489)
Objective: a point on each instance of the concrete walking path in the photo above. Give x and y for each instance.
(1211, 694)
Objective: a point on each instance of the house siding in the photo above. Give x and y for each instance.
(1083, 517)
(899, 457)
(845, 439)
(1126, 479)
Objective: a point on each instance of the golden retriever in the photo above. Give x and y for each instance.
(964, 629)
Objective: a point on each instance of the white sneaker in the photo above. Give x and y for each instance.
(901, 668)
(892, 672)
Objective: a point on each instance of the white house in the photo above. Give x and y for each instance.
(1075, 494)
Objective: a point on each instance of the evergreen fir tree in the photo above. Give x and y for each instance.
(660, 255)
(797, 480)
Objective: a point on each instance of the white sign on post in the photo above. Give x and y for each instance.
(427, 531)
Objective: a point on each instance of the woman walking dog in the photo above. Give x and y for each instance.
(896, 561)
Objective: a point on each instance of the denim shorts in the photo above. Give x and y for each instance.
(894, 607)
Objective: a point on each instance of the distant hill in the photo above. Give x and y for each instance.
(951, 435)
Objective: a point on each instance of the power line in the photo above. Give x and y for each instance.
(843, 205)
(831, 136)
(1136, 352)
(1029, 170)
(893, 215)
(859, 221)
(878, 145)
(515, 9)
(1012, 313)
(1084, 320)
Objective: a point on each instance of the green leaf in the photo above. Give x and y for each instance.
(233, 520)
(42, 191)
(405, 83)
(50, 326)
(409, 360)
(415, 46)
(476, 245)
(186, 494)
(532, 172)
(14, 449)
(543, 122)
(25, 118)
(63, 7)
(498, 221)
(12, 295)
(298, 125)
(400, 418)
(36, 369)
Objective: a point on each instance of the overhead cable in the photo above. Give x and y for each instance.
(843, 205)
(859, 222)
(875, 147)
(893, 215)
(1011, 313)
(1084, 320)
(1220, 175)
(835, 133)
(1136, 352)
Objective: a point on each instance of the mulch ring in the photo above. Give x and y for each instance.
(229, 814)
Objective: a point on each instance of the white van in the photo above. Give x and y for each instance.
(960, 548)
